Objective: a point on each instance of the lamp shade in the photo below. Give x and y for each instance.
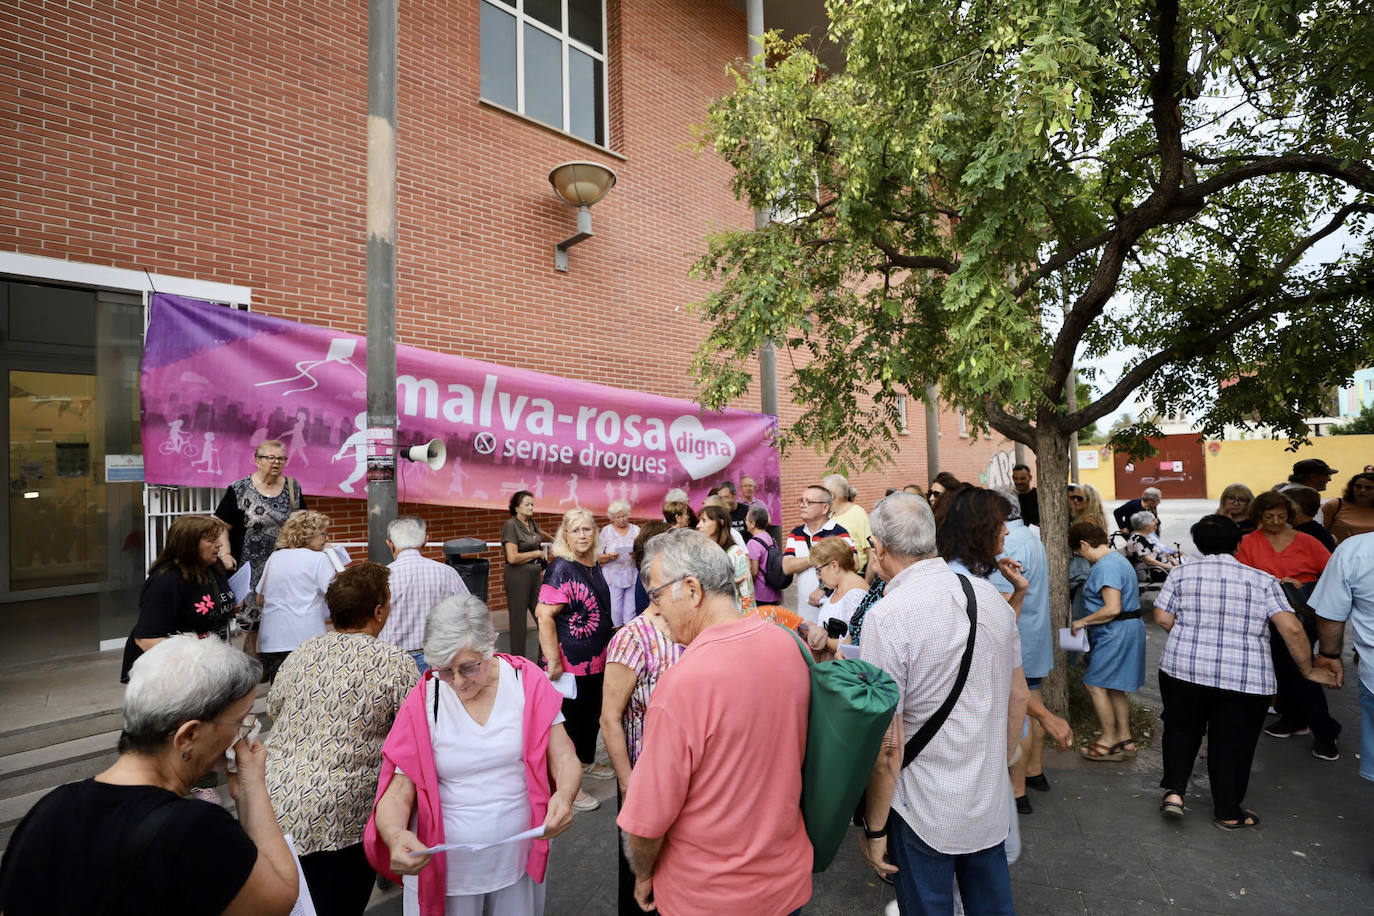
(581, 183)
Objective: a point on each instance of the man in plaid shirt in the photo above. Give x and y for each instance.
(417, 584)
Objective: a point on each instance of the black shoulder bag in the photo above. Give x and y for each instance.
(927, 732)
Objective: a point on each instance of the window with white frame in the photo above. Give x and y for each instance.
(963, 423)
(547, 60)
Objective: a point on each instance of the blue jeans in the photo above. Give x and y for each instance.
(925, 878)
(419, 656)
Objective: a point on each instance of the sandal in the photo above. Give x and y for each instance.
(1100, 753)
(1248, 819)
(1127, 753)
(1171, 809)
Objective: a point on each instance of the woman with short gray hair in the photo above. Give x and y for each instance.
(616, 545)
(126, 840)
(469, 760)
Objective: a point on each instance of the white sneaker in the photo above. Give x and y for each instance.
(597, 771)
(585, 802)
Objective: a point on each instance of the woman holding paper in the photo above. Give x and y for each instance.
(469, 761)
(291, 590)
(333, 702)
(574, 615)
(617, 540)
(186, 590)
(1116, 667)
(255, 507)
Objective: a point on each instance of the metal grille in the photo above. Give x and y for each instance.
(165, 505)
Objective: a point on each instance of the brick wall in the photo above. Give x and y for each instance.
(226, 142)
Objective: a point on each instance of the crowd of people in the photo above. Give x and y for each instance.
(403, 744)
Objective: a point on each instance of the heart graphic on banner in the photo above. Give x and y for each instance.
(701, 451)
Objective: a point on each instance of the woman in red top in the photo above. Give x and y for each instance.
(1295, 559)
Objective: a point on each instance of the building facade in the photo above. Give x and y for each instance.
(219, 151)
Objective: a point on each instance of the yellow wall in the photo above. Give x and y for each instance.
(1103, 477)
(1261, 463)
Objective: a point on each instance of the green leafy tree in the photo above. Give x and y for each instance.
(994, 190)
(1363, 424)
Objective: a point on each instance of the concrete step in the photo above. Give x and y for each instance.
(56, 764)
(61, 730)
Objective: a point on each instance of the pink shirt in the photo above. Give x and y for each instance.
(720, 775)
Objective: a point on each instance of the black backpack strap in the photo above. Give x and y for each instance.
(927, 731)
(136, 848)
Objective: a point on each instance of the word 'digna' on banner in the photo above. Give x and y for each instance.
(217, 382)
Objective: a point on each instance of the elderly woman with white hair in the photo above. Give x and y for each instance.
(849, 515)
(478, 754)
(1152, 558)
(127, 840)
(574, 614)
(617, 543)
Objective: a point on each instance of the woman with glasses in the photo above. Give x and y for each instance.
(478, 754)
(255, 507)
(333, 702)
(837, 571)
(574, 614)
(1297, 560)
(1235, 505)
(127, 840)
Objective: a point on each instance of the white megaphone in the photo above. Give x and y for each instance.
(431, 453)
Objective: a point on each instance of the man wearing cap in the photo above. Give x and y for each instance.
(1310, 472)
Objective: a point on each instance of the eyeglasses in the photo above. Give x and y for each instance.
(1238, 499)
(811, 502)
(467, 671)
(275, 459)
(1075, 498)
(653, 593)
(247, 725)
(871, 545)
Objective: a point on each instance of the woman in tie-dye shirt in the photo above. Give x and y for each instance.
(639, 653)
(574, 615)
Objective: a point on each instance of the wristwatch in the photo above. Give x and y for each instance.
(869, 833)
(1335, 655)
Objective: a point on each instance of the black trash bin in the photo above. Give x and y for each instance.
(460, 553)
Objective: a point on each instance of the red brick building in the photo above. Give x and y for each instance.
(219, 151)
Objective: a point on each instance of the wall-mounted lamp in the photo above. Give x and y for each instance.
(581, 184)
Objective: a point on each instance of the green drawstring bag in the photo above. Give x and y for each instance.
(852, 704)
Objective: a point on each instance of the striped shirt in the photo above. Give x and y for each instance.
(953, 795)
(417, 584)
(1220, 636)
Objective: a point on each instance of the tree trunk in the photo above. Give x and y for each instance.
(1052, 471)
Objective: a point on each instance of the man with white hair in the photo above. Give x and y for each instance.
(1148, 502)
(709, 830)
(944, 817)
(417, 584)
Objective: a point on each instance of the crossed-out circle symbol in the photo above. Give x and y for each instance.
(484, 443)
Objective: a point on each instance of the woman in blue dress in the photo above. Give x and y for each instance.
(1116, 666)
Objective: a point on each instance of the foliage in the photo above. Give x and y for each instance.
(1363, 424)
(992, 190)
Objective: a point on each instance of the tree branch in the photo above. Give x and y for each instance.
(1355, 174)
(915, 261)
(1208, 343)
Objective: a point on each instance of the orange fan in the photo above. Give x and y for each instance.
(776, 614)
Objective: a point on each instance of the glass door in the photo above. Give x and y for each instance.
(57, 510)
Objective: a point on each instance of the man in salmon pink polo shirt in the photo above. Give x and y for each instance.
(712, 817)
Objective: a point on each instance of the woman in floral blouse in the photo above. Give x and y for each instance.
(334, 701)
(638, 655)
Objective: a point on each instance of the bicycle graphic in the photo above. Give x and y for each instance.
(178, 442)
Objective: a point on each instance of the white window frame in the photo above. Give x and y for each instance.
(517, 9)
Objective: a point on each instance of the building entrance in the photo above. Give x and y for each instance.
(71, 538)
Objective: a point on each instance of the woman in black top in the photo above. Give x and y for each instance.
(186, 590)
(523, 543)
(126, 841)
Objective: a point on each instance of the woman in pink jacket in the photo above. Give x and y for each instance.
(478, 754)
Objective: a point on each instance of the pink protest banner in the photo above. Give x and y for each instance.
(217, 381)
